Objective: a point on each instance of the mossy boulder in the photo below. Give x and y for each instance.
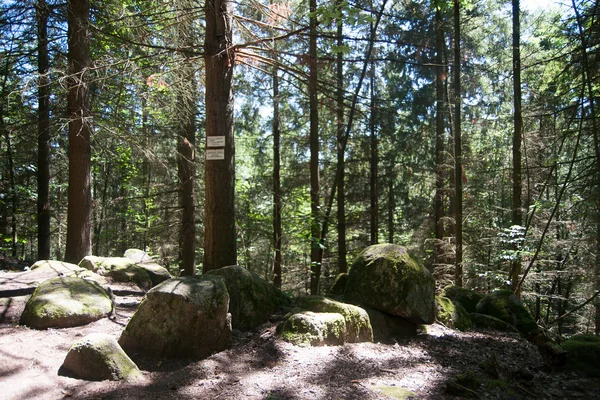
(466, 297)
(120, 269)
(308, 328)
(252, 299)
(157, 273)
(182, 317)
(504, 305)
(137, 256)
(43, 270)
(358, 325)
(389, 328)
(98, 357)
(387, 278)
(66, 302)
(583, 354)
(339, 286)
(488, 322)
(452, 314)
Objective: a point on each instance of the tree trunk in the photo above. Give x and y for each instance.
(374, 206)
(439, 136)
(79, 216)
(341, 194)
(43, 200)
(458, 272)
(596, 137)
(315, 224)
(219, 178)
(517, 214)
(186, 142)
(276, 183)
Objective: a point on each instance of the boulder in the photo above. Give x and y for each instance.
(156, 272)
(389, 328)
(252, 299)
(387, 278)
(98, 357)
(120, 269)
(504, 305)
(43, 270)
(488, 322)
(466, 297)
(339, 285)
(358, 325)
(137, 256)
(182, 317)
(583, 354)
(307, 328)
(452, 314)
(66, 302)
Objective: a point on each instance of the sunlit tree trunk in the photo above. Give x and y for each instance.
(219, 175)
(79, 217)
(341, 194)
(439, 135)
(186, 141)
(315, 224)
(43, 200)
(277, 231)
(373, 160)
(517, 214)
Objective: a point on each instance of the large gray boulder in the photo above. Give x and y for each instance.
(119, 269)
(182, 317)
(307, 328)
(137, 255)
(387, 278)
(98, 357)
(358, 326)
(65, 302)
(252, 299)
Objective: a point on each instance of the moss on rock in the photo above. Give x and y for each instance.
(583, 354)
(504, 305)
(358, 325)
(99, 357)
(66, 302)
(451, 314)
(181, 317)
(467, 297)
(120, 269)
(488, 322)
(252, 299)
(314, 329)
(387, 278)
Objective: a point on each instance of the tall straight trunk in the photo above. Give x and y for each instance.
(79, 215)
(391, 202)
(186, 142)
(458, 271)
(439, 135)
(43, 175)
(374, 206)
(219, 174)
(341, 194)
(315, 224)
(517, 214)
(596, 137)
(277, 231)
(13, 193)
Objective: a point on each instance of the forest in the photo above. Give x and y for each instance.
(286, 136)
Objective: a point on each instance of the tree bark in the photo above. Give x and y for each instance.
(219, 207)
(315, 224)
(374, 203)
(79, 242)
(43, 174)
(341, 194)
(277, 231)
(439, 136)
(458, 272)
(517, 213)
(186, 142)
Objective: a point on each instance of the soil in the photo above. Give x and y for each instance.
(259, 365)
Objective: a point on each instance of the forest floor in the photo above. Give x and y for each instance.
(261, 366)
